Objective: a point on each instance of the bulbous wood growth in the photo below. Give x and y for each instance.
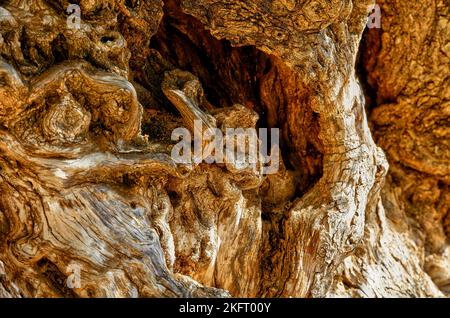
(92, 204)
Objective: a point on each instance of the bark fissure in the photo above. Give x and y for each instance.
(89, 190)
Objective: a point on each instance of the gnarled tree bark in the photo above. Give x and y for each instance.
(358, 208)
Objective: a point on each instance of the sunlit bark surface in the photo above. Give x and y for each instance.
(92, 204)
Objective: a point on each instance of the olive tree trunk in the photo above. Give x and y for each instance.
(93, 203)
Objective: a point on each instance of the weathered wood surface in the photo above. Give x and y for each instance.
(360, 204)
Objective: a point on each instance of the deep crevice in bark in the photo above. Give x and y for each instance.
(83, 185)
(241, 75)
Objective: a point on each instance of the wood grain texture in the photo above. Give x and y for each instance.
(358, 208)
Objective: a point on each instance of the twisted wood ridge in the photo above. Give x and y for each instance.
(86, 175)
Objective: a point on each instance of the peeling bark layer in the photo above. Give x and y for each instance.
(359, 206)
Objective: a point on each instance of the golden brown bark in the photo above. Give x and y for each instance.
(87, 180)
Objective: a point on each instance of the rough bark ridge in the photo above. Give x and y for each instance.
(87, 180)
